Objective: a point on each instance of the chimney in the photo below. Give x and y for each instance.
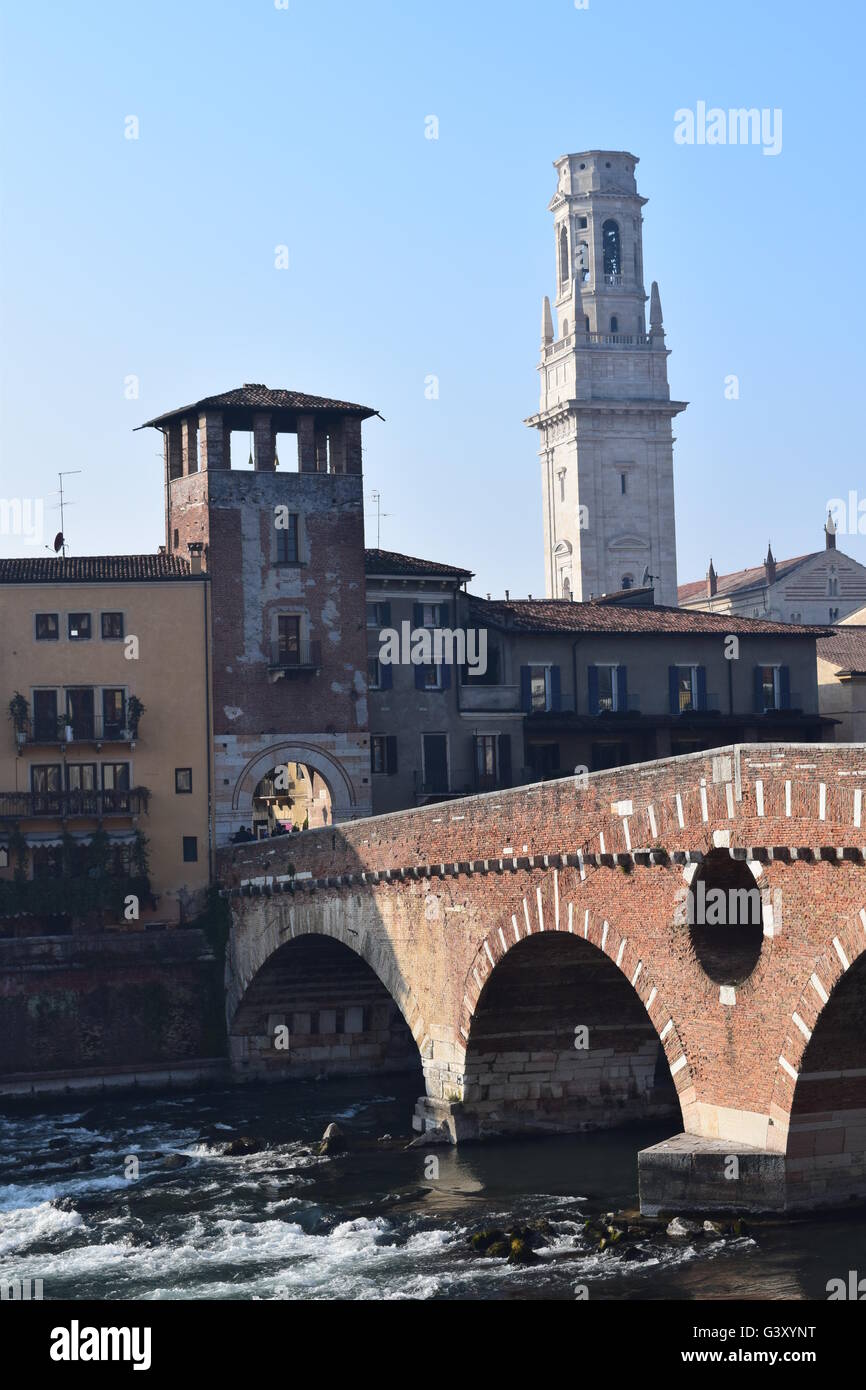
(195, 554)
(712, 581)
(507, 595)
(770, 565)
(830, 533)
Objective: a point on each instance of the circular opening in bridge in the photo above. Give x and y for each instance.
(725, 918)
(289, 798)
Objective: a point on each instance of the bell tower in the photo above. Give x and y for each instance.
(605, 412)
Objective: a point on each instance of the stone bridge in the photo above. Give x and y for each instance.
(537, 956)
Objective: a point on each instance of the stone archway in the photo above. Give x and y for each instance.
(343, 799)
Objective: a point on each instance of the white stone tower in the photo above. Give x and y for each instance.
(604, 420)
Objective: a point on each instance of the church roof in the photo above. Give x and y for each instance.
(741, 581)
(845, 647)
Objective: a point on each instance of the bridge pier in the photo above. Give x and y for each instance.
(690, 1173)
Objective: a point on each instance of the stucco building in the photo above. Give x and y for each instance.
(107, 688)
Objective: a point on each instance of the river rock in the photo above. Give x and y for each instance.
(680, 1228)
(174, 1161)
(244, 1144)
(333, 1140)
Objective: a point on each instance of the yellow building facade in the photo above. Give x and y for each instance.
(106, 772)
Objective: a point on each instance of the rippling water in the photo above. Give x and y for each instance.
(285, 1223)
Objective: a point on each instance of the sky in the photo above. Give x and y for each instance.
(137, 275)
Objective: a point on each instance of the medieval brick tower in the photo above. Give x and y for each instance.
(284, 551)
(605, 413)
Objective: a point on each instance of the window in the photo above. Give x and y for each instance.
(623, 483)
(115, 787)
(47, 627)
(183, 779)
(79, 627)
(289, 639)
(563, 255)
(374, 673)
(113, 713)
(383, 754)
(607, 689)
(614, 323)
(45, 721)
(190, 849)
(772, 688)
(539, 688)
(81, 777)
(112, 627)
(581, 222)
(378, 615)
(834, 615)
(486, 763)
(46, 777)
(611, 248)
(687, 688)
(431, 677)
(79, 711)
(832, 587)
(176, 539)
(430, 614)
(288, 552)
(627, 581)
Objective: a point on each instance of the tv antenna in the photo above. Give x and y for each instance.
(60, 538)
(376, 497)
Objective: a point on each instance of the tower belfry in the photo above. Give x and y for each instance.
(605, 413)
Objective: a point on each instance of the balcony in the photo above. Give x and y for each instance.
(286, 659)
(78, 728)
(90, 805)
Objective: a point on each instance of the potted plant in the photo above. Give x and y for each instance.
(18, 713)
(134, 711)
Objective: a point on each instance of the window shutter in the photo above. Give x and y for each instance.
(674, 688)
(504, 750)
(386, 675)
(391, 754)
(555, 689)
(621, 688)
(525, 689)
(417, 615)
(784, 687)
(759, 691)
(702, 687)
(446, 675)
(444, 615)
(593, 689)
(386, 614)
(419, 677)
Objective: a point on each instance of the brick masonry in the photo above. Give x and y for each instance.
(435, 900)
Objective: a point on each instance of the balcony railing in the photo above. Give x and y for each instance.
(595, 340)
(66, 805)
(79, 728)
(300, 656)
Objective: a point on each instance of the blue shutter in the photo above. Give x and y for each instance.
(386, 614)
(555, 689)
(784, 687)
(525, 689)
(622, 688)
(391, 754)
(505, 760)
(417, 615)
(419, 677)
(446, 675)
(702, 687)
(759, 691)
(386, 675)
(445, 615)
(674, 688)
(593, 689)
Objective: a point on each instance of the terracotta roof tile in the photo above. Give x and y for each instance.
(390, 562)
(255, 396)
(845, 647)
(561, 615)
(95, 569)
(741, 580)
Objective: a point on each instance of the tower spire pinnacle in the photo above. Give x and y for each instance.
(546, 322)
(657, 327)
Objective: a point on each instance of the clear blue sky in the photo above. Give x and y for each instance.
(261, 126)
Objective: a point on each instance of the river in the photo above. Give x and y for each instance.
(287, 1223)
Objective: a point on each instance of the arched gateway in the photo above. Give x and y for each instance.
(506, 928)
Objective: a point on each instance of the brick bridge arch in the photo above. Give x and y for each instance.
(283, 751)
(442, 893)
